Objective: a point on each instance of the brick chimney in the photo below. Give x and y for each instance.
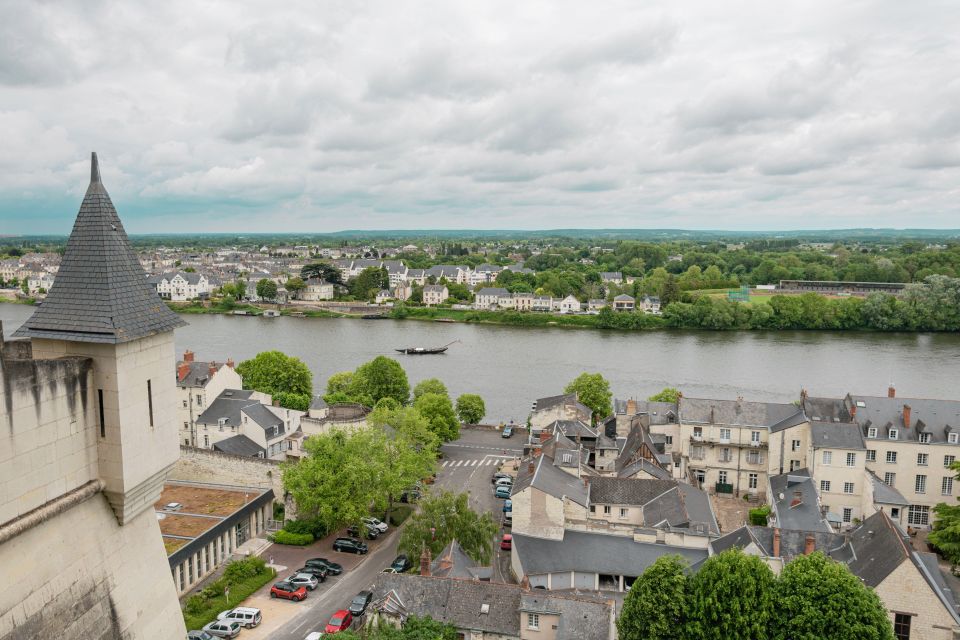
(906, 416)
(891, 391)
(230, 362)
(809, 545)
(531, 466)
(213, 369)
(183, 370)
(425, 561)
(188, 356)
(853, 410)
(631, 407)
(776, 542)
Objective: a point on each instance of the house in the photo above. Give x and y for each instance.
(382, 296)
(453, 273)
(611, 277)
(198, 384)
(566, 616)
(553, 408)
(40, 283)
(542, 303)
(595, 304)
(316, 289)
(523, 301)
(623, 302)
(569, 305)
(242, 422)
(650, 304)
(434, 294)
(795, 503)
(181, 286)
(489, 297)
(403, 291)
(396, 271)
(416, 276)
(483, 274)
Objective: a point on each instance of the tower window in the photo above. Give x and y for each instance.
(150, 401)
(103, 425)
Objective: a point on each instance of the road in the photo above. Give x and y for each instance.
(467, 465)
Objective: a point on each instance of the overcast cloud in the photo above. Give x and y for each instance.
(309, 116)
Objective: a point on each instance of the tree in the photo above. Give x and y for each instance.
(671, 291)
(669, 394)
(413, 628)
(339, 382)
(266, 289)
(369, 282)
(430, 385)
(444, 517)
(240, 286)
(593, 390)
(438, 410)
(323, 271)
(295, 285)
(382, 377)
(406, 420)
(280, 375)
(470, 408)
(817, 597)
(731, 596)
(945, 535)
(655, 607)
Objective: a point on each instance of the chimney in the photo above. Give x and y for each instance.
(891, 391)
(213, 369)
(631, 407)
(853, 411)
(776, 542)
(906, 416)
(425, 561)
(188, 356)
(531, 466)
(183, 370)
(809, 545)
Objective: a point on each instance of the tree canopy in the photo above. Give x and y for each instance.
(669, 394)
(945, 535)
(321, 270)
(438, 410)
(430, 385)
(593, 390)
(471, 408)
(285, 377)
(731, 596)
(446, 516)
(266, 289)
(414, 628)
(655, 607)
(382, 377)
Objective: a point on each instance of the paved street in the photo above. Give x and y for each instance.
(467, 465)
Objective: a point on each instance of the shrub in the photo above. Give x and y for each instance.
(758, 516)
(296, 539)
(195, 604)
(240, 570)
(399, 514)
(313, 526)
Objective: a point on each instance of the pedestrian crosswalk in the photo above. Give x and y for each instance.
(481, 462)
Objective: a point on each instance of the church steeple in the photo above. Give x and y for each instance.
(100, 294)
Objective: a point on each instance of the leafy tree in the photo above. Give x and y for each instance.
(945, 535)
(670, 292)
(323, 271)
(656, 606)
(382, 377)
(470, 408)
(593, 390)
(370, 280)
(731, 596)
(266, 289)
(414, 628)
(430, 385)
(339, 382)
(240, 287)
(438, 410)
(444, 517)
(406, 420)
(295, 285)
(669, 394)
(816, 597)
(280, 375)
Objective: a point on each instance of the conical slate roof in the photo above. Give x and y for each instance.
(100, 293)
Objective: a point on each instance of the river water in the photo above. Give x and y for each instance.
(512, 366)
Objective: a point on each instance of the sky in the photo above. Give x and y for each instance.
(247, 116)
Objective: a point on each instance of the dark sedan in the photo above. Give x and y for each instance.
(316, 570)
(333, 568)
(400, 564)
(349, 545)
(358, 606)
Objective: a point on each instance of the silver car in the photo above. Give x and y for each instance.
(376, 524)
(223, 628)
(304, 579)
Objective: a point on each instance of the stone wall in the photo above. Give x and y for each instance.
(206, 465)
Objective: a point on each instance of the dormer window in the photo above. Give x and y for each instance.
(952, 438)
(925, 438)
(872, 432)
(893, 434)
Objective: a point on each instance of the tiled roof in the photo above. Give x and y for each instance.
(101, 293)
(737, 412)
(239, 445)
(581, 618)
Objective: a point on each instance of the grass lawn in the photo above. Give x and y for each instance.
(238, 593)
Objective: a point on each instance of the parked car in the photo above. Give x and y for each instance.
(359, 604)
(400, 564)
(340, 621)
(314, 635)
(370, 533)
(248, 617)
(318, 572)
(199, 635)
(508, 519)
(502, 492)
(307, 580)
(223, 628)
(288, 591)
(507, 431)
(349, 545)
(379, 525)
(333, 568)
(411, 495)
(389, 570)
(498, 475)
(507, 505)
(506, 543)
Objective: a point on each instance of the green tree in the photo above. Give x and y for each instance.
(240, 287)
(370, 280)
(669, 394)
(471, 408)
(339, 382)
(656, 606)
(414, 628)
(382, 377)
(438, 410)
(816, 597)
(593, 390)
(266, 289)
(430, 385)
(295, 285)
(945, 535)
(730, 597)
(321, 270)
(444, 517)
(406, 420)
(670, 292)
(280, 375)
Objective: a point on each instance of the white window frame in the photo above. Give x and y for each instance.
(920, 483)
(624, 512)
(827, 458)
(893, 434)
(755, 436)
(953, 438)
(848, 488)
(753, 479)
(533, 621)
(825, 486)
(923, 459)
(724, 434)
(891, 457)
(871, 432)
(891, 476)
(948, 460)
(848, 514)
(946, 486)
(918, 515)
(871, 455)
(722, 476)
(924, 438)
(795, 445)
(851, 459)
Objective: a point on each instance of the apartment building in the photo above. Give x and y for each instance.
(198, 384)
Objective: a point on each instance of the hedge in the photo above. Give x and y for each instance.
(399, 513)
(243, 577)
(296, 539)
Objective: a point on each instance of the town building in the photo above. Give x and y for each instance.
(244, 422)
(181, 286)
(489, 298)
(623, 302)
(198, 384)
(830, 287)
(611, 277)
(316, 289)
(434, 294)
(649, 304)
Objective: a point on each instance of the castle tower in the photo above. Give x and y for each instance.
(101, 307)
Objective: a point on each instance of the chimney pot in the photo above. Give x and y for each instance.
(810, 545)
(183, 370)
(631, 407)
(213, 368)
(531, 466)
(188, 356)
(906, 416)
(776, 542)
(891, 391)
(230, 362)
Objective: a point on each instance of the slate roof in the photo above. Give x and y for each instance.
(239, 445)
(643, 465)
(738, 412)
(612, 490)
(453, 562)
(553, 401)
(594, 553)
(832, 435)
(493, 291)
(580, 618)
(232, 404)
(791, 512)
(884, 493)
(101, 293)
(456, 602)
(434, 288)
(879, 548)
(572, 428)
(825, 409)
(198, 375)
(551, 480)
(936, 417)
(792, 542)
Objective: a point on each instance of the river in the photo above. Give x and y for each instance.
(511, 366)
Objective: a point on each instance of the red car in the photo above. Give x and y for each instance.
(288, 591)
(506, 543)
(340, 621)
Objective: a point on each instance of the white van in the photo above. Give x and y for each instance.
(249, 617)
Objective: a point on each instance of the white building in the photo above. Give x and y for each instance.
(198, 383)
(569, 305)
(434, 294)
(316, 290)
(181, 286)
(489, 297)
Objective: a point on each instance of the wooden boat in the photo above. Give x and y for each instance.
(444, 320)
(423, 351)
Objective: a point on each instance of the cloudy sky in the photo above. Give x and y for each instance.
(324, 116)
